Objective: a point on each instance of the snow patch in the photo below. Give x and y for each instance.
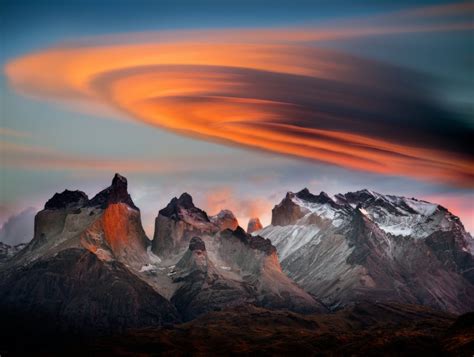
(154, 259)
(363, 211)
(147, 267)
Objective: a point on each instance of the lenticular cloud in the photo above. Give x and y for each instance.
(287, 98)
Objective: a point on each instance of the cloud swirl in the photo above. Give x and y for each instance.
(289, 98)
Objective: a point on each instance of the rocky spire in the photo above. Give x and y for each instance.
(177, 223)
(225, 219)
(254, 225)
(115, 193)
(196, 243)
(322, 198)
(176, 207)
(287, 212)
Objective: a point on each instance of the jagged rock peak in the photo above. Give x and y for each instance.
(225, 213)
(254, 225)
(225, 219)
(116, 193)
(197, 243)
(306, 195)
(66, 199)
(176, 206)
(362, 195)
(254, 242)
(185, 200)
(391, 203)
(119, 180)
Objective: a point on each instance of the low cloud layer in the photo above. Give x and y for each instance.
(19, 228)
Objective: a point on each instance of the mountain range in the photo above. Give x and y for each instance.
(364, 245)
(90, 269)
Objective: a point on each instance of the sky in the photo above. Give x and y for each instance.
(236, 102)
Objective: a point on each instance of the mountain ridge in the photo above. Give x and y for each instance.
(326, 253)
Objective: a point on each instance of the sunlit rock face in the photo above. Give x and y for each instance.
(287, 212)
(121, 228)
(108, 225)
(364, 245)
(225, 219)
(254, 225)
(177, 223)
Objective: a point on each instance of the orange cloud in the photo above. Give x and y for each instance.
(244, 208)
(29, 157)
(459, 204)
(265, 89)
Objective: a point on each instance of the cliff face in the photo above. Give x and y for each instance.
(255, 258)
(108, 225)
(202, 287)
(177, 223)
(241, 269)
(287, 212)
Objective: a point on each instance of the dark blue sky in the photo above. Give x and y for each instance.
(36, 23)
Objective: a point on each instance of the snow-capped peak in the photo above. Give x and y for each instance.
(396, 215)
(313, 208)
(400, 215)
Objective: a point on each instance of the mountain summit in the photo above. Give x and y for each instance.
(116, 193)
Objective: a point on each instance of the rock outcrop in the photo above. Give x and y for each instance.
(115, 193)
(255, 259)
(243, 270)
(225, 219)
(202, 288)
(8, 251)
(177, 223)
(67, 200)
(287, 212)
(254, 225)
